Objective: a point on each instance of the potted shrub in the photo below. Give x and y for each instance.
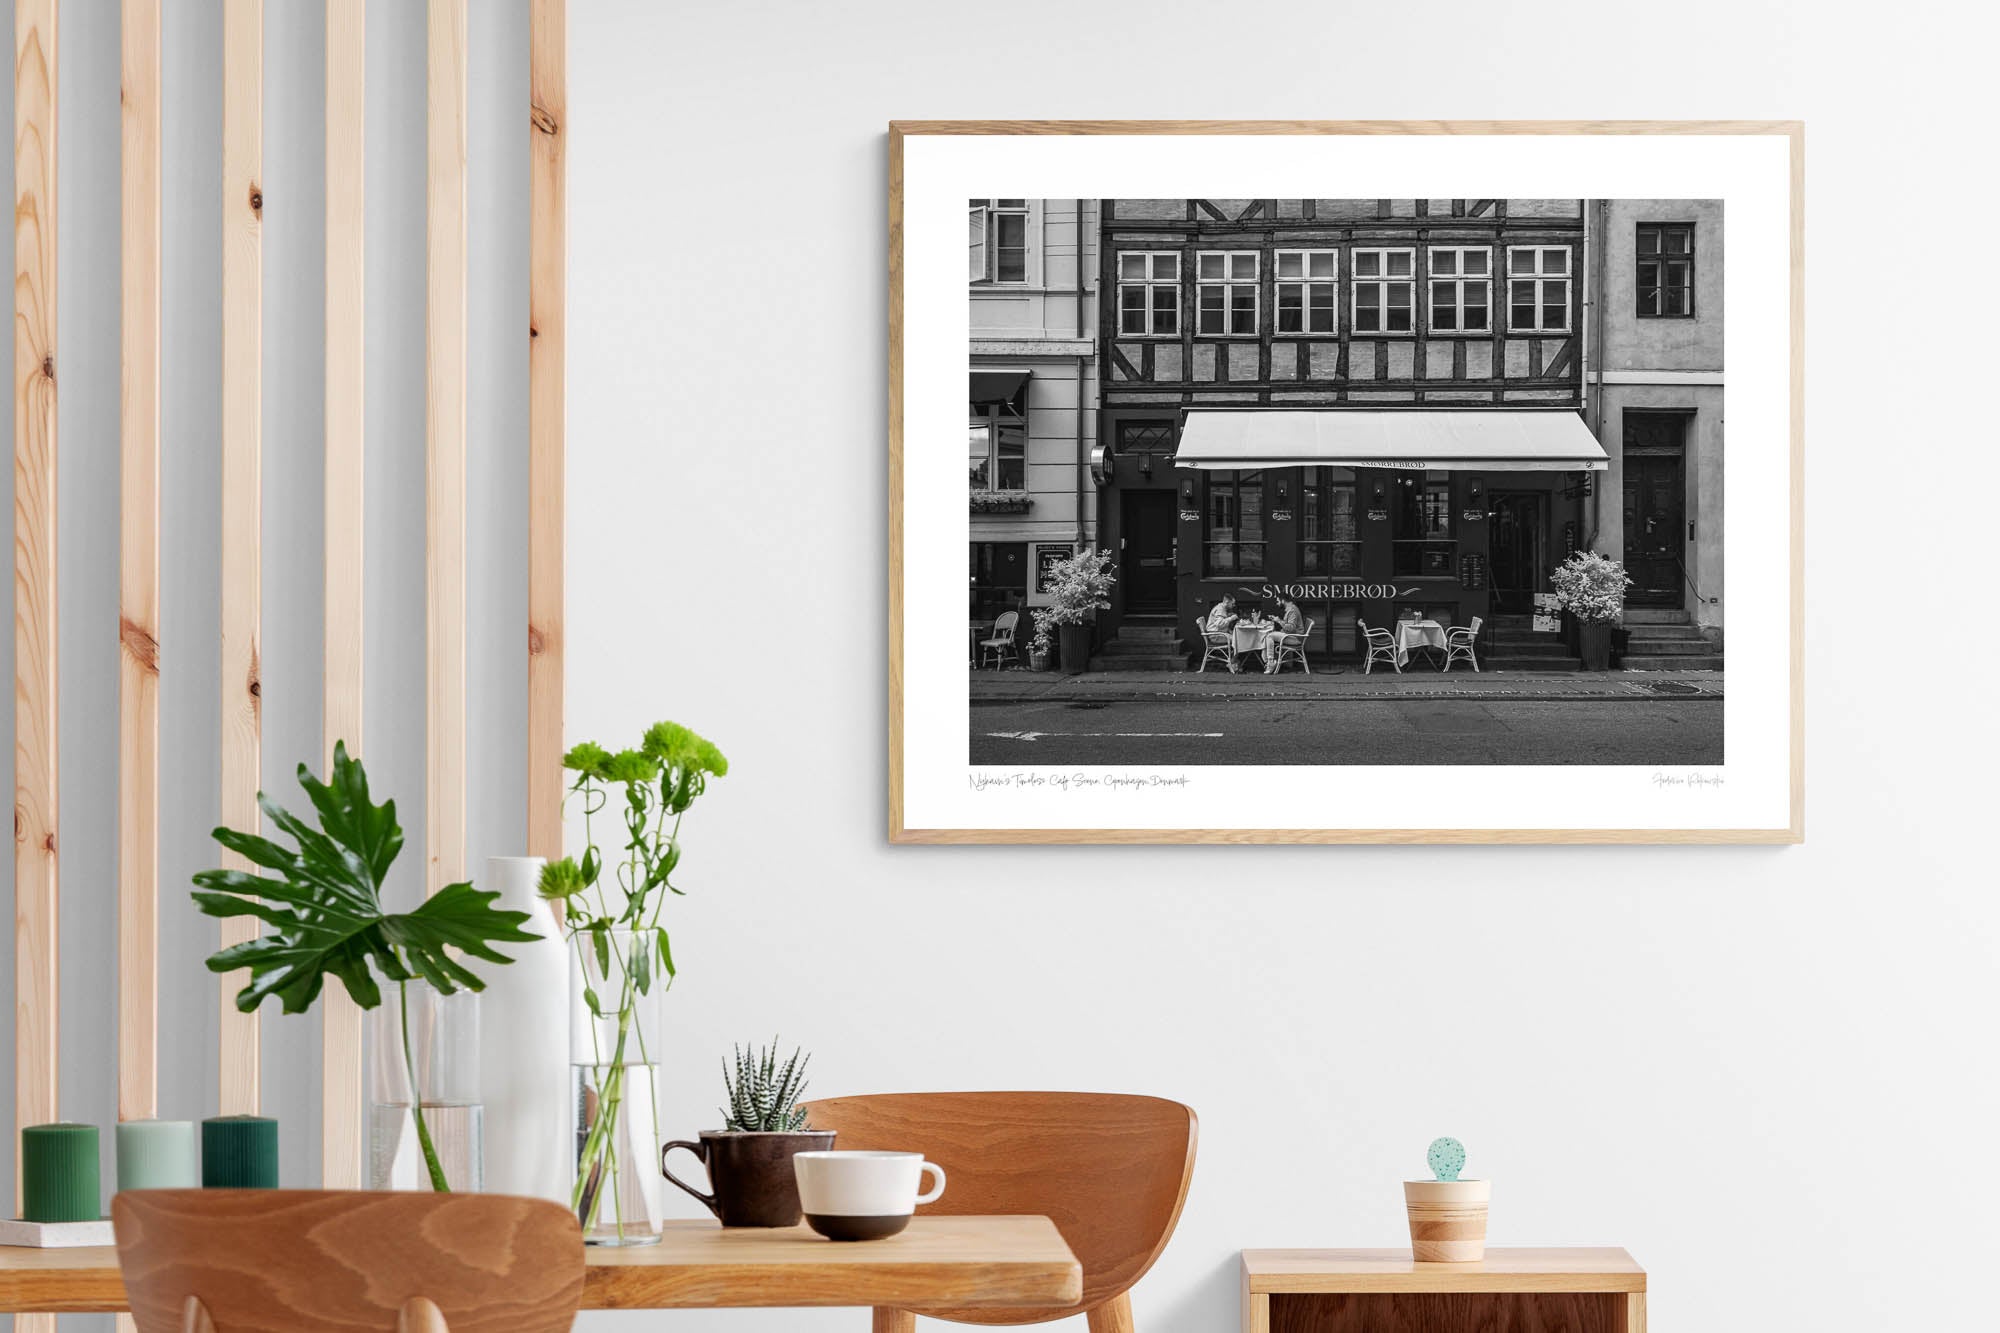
(1591, 588)
(749, 1160)
(1080, 587)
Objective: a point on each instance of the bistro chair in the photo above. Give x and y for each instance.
(341, 1261)
(1292, 648)
(1218, 646)
(1381, 648)
(1458, 644)
(1110, 1170)
(1001, 646)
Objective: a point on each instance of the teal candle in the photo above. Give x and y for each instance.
(158, 1155)
(59, 1174)
(239, 1152)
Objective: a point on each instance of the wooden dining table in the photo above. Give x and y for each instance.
(938, 1263)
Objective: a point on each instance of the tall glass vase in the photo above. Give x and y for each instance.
(417, 1031)
(614, 1052)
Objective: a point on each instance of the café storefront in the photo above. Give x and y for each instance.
(1364, 515)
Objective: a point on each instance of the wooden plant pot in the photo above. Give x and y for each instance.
(1447, 1219)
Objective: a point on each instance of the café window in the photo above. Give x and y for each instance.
(998, 454)
(1384, 290)
(1233, 525)
(1145, 437)
(999, 578)
(1423, 542)
(1329, 524)
(1461, 282)
(1666, 270)
(1149, 292)
(1305, 290)
(1226, 292)
(1538, 289)
(998, 240)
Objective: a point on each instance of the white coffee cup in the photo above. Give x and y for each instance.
(862, 1195)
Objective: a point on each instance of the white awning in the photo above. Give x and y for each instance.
(1472, 438)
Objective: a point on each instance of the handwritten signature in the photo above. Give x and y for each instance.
(1073, 782)
(1687, 781)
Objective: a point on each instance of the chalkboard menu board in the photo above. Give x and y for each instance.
(1472, 571)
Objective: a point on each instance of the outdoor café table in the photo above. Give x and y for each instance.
(1417, 634)
(938, 1263)
(1247, 636)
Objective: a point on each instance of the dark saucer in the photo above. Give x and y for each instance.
(836, 1227)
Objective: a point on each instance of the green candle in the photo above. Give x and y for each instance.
(239, 1152)
(59, 1174)
(158, 1155)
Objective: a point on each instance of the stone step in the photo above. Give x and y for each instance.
(1515, 662)
(1631, 663)
(1147, 633)
(1655, 615)
(1129, 662)
(1666, 634)
(1696, 647)
(1150, 647)
(1545, 647)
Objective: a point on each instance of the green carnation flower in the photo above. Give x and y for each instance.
(588, 758)
(562, 879)
(631, 766)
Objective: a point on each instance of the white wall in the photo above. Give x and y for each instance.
(1767, 1072)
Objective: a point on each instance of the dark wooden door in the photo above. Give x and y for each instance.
(1146, 565)
(1655, 516)
(1520, 541)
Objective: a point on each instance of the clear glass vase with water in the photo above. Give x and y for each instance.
(614, 1053)
(416, 1032)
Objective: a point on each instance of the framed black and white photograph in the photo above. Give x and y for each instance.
(1346, 482)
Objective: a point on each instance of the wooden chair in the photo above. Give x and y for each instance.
(1459, 644)
(1380, 648)
(1110, 1170)
(1001, 646)
(333, 1261)
(1292, 648)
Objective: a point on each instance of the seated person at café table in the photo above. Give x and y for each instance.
(1222, 619)
(1289, 621)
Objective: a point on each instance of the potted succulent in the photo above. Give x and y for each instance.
(1591, 588)
(749, 1160)
(1447, 1215)
(1079, 587)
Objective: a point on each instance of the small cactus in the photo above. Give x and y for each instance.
(1447, 1158)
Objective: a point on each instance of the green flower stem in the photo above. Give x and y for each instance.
(431, 1162)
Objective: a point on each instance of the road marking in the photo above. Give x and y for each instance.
(1100, 735)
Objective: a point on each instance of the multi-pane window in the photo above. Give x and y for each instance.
(1145, 437)
(1305, 290)
(1461, 282)
(1233, 525)
(1329, 530)
(1226, 291)
(1149, 291)
(1666, 270)
(998, 239)
(1538, 280)
(1423, 542)
(998, 454)
(1384, 290)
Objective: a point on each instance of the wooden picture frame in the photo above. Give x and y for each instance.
(1780, 816)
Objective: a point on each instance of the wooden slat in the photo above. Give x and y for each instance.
(548, 80)
(139, 565)
(36, 983)
(445, 367)
(242, 405)
(342, 1127)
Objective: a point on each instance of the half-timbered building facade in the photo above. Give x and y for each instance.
(1369, 406)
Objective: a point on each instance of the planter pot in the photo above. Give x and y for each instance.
(1593, 644)
(1040, 660)
(1075, 642)
(1447, 1219)
(750, 1175)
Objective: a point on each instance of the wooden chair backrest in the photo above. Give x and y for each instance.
(1110, 1170)
(335, 1261)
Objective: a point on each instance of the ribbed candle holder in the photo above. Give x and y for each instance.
(59, 1181)
(239, 1152)
(158, 1155)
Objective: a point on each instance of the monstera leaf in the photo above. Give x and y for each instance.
(322, 909)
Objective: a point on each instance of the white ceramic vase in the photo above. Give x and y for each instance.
(525, 1045)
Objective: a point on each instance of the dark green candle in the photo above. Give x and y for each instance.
(59, 1174)
(239, 1152)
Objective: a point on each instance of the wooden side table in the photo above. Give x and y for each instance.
(1385, 1291)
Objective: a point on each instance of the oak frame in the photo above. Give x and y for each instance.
(1794, 832)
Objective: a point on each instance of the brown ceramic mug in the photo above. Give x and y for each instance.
(750, 1174)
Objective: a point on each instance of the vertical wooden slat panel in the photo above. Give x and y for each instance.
(445, 369)
(242, 545)
(139, 564)
(36, 984)
(342, 1138)
(548, 78)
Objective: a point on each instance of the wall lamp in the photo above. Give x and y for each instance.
(1146, 466)
(1187, 494)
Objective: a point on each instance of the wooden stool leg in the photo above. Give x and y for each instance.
(894, 1321)
(420, 1316)
(194, 1317)
(1114, 1316)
